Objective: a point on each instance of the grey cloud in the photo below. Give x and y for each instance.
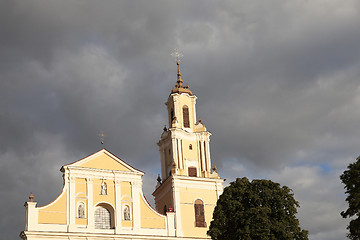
(277, 85)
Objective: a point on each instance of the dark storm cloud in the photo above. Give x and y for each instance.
(276, 81)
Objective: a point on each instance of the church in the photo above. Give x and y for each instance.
(102, 195)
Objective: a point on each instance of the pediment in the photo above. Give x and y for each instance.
(104, 160)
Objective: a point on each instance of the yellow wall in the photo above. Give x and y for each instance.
(110, 197)
(187, 153)
(54, 212)
(104, 162)
(126, 189)
(187, 199)
(149, 218)
(81, 221)
(80, 185)
(127, 223)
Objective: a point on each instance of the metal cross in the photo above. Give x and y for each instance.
(177, 54)
(102, 136)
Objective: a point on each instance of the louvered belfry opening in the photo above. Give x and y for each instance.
(192, 171)
(199, 214)
(186, 119)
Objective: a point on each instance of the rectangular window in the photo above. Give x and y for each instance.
(192, 172)
(186, 117)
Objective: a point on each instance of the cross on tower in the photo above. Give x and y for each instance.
(177, 54)
(102, 136)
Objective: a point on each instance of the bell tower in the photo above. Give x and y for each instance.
(188, 185)
(184, 146)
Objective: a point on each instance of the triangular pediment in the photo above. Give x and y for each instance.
(104, 160)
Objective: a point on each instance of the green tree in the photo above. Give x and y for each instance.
(260, 209)
(351, 179)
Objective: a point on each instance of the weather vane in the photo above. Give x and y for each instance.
(102, 136)
(177, 54)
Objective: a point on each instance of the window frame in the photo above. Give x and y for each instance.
(186, 116)
(193, 172)
(199, 210)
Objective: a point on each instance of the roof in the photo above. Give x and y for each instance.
(103, 160)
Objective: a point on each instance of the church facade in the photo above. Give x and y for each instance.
(102, 196)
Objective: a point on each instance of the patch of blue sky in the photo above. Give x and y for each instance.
(326, 167)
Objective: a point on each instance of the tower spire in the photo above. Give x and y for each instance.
(179, 80)
(179, 87)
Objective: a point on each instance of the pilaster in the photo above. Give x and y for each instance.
(177, 208)
(193, 100)
(207, 156)
(72, 207)
(170, 221)
(202, 157)
(180, 163)
(31, 216)
(163, 163)
(136, 191)
(90, 205)
(118, 210)
(174, 151)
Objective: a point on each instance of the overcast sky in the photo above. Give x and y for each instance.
(277, 83)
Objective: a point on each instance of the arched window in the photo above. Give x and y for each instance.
(81, 210)
(192, 171)
(126, 213)
(103, 218)
(186, 120)
(199, 213)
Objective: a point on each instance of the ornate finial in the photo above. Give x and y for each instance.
(178, 55)
(179, 80)
(102, 136)
(165, 129)
(31, 197)
(200, 120)
(214, 168)
(159, 179)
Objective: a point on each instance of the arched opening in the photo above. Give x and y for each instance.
(104, 217)
(192, 171)
(186, 120)
(199, 213)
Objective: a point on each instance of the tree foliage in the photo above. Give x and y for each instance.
(260, 209)
(351, 179)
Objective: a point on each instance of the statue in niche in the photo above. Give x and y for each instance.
(127, 213)
(81, 211)
(103, 187)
